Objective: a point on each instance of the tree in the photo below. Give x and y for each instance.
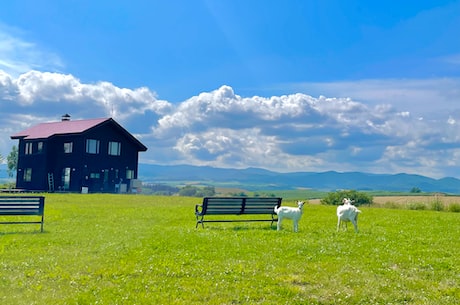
(188, 190)
(194, 191)
(336, 198)
(12, 161)
(209, 191)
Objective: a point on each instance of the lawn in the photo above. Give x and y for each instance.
(128, 249)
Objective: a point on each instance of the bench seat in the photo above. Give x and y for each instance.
(236, 206)
(23, 206)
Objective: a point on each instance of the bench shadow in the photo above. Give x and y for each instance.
(22, 233)
(238, 228)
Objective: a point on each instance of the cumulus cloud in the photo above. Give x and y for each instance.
(295, 132)
(45, 95)
(300, 132)
(416, 95)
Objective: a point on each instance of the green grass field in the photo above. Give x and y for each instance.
(127, 249)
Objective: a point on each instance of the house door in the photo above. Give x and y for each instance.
(105, 182)
(66, 178)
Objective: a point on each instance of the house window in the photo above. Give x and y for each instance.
(27, 175)
(95, 175)
(92, 146)
(28, 148)
(66, 178)
(114, 148)
(68, 147)
(129, 174)
(40, 147)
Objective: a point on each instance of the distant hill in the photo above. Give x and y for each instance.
(260, 179)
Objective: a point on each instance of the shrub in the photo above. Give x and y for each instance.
(437, 205)
(8, 185)
(336, 198)
(416, 206)
(454, 207)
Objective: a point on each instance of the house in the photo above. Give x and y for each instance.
(95, 155)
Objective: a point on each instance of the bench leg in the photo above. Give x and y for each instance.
(273, 220)
(198, 221)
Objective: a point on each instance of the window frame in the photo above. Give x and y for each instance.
(114, 148)
(129, 174)
(68, 147)
(28, 148)
(93, 146)
(27, 175)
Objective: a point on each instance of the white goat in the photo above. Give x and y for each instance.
(347, 213)
(291, 213)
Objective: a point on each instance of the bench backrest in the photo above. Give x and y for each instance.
(22, 205)
(239, 205)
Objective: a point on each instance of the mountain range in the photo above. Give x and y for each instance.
(261, 179)
(256, 179)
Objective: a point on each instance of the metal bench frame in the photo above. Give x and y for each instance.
(236, 206)
(23, 206)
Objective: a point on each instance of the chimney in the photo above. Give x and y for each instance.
(65, 118)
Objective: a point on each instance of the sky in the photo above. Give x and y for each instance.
(288, 86)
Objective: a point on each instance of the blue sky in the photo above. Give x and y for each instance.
(283, 85)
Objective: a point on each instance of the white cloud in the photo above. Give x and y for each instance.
(17, 55)
(299, 132)
(294, 132)
(38, 92)
(417, 96)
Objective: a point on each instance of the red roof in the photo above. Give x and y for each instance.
(65, 127)
(46, 130)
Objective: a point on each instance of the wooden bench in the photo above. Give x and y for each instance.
(236, 206)
(23, 206)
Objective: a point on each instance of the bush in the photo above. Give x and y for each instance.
(437, 205)
(454, 207)
(416, 206)
(336, 198)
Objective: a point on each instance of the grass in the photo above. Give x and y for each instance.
(123, 249)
